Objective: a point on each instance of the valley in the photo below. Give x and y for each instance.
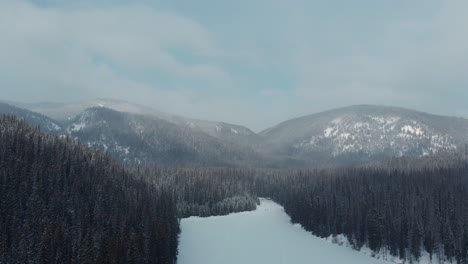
(386, 182)
(261, 236)
(233, 132)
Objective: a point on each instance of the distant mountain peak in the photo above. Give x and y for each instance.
(365, 132)
(47, 124)
(353, 134)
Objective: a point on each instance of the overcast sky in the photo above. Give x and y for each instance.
(250, 62)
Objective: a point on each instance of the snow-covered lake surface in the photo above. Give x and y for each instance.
(264, 236)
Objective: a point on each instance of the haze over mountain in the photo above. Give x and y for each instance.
(282, 59)
(46, 123)
(221, 130)
(350, 135)
(147, 139)
(66, 111)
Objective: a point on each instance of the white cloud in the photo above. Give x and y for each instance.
(59, 48)
(418, 62)
(275, 59)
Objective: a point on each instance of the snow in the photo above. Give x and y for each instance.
(121, 149)
(383, 120)
(360, 125)
(259, 237)
(345, 135)
(376, 134)
(54, 126)
(384, 254)
(439, 142)
(78, 127)
(328, 131)
(234, 131)
(412, 130)
(337, 121)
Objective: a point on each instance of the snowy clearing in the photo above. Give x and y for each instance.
(262, 236)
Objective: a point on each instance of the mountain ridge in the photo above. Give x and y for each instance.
(147, 139)
(347, 135)
(46, 123)
(222, 130)
(361, 106)
(365, 132)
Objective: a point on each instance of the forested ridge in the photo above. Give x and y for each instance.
(64, 203)
(395, 211)
(205, 191)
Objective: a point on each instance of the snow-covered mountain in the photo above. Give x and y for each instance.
(67, 111)
(47, 124)
(136, 134)
(362, 133)
(350, 135)
(221, 130)
(138, 139)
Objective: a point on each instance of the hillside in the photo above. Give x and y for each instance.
(352, 135)
(47, 124)
(364, 133)
(136, 139)
(64, 203)
(230, 133)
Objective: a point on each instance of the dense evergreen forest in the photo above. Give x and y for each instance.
(393, 212)
(393, 208)
(205, 191)
(63, 203)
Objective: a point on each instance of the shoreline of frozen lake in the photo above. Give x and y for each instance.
(261, 236)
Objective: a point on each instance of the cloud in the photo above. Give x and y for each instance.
(418, 61)
(82, 50)
(254, 63)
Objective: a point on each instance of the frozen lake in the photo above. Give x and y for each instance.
(262, 236)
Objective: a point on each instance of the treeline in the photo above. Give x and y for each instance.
(395, 210)
(63, 203)
(205, 191)
(396, 213)
(399, 208)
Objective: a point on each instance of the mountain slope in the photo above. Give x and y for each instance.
(139, 139)
(67, 111)
(64, 203)
(363, 133)
(350, 135)
(226, 132)
(47, 124)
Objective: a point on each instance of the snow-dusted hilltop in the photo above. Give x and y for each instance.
(350, 135)
(224, 131)
(135, 133)
(136, 139)
(67, 111)
(362, 133)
